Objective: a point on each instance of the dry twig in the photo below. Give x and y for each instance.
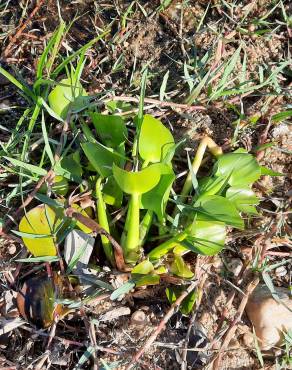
(161, 325)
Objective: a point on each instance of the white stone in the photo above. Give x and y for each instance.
(75, 242)
(269, 317)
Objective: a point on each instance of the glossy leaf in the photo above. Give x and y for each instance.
(80, 225)
(137, 182)
(59, 186)
(70, 167)
(187, 304)
(207, 237)
(179, 268)
(101, 158)
(240, 168)
(150, 279)
(40, 220)
(112, 193)
(157, 198)
(212, 185)
(65, 94)
(265, 171)
(155, 140)
(111, 129)
(243, 198)
(220, 209)
(144, 267)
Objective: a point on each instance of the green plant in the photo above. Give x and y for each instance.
(126, 164)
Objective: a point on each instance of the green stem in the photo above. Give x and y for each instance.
(131, 245)
(207, 142)
(169, 244)
(145, 226)
(103, 221)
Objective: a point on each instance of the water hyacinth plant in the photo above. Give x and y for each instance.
(118, 175)
(130, 166)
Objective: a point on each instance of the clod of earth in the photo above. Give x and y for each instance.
(270, 317)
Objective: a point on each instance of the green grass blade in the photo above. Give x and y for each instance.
(18, 84)
(27, 166)
(62, 65)
(46, 140)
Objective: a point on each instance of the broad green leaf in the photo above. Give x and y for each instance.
(64, 95)
(212, 185)
(60, 186)
(221, 209)
(265, 171)
(111, 129)
(157, 198)
(143, 268)
(155, 140)
(137, 182)
(207, 237)
(112, 193)
(179, 268)
(187, 304)
(80, 225)
(70, 167)
(243, 198)
(161, 270)
(39, 221)
(114, 106)
(101, 158)
(241, 168)
(150, 279)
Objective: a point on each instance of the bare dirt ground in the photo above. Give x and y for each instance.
(168, 39)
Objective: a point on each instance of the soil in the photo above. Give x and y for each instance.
(164, 41)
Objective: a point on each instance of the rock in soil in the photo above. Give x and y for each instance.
(139, 318)
(269, 317)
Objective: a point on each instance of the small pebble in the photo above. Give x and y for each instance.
(138, 318)
(269, 317)
(280, 271)
(248, 339)
(12, 249)
(251, 28)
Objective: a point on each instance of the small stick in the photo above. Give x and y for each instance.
(161, 325)
(94, 226)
